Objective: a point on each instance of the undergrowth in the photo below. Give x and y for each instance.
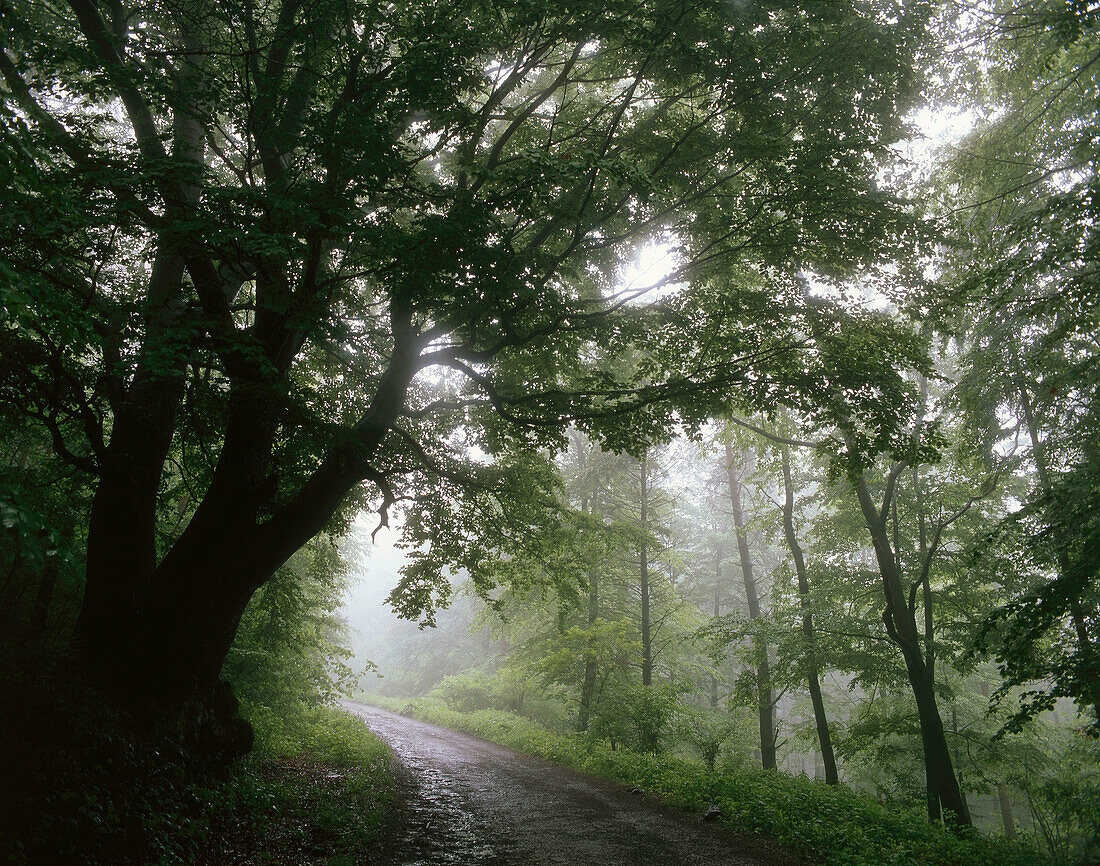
(827, 824)
(80, 783)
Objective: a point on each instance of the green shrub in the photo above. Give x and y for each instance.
(467, 692)
(637, 717)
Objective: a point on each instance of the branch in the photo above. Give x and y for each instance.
(888, 493)
(388, 498)
(141, 117)
(773, 437)
(72, 148)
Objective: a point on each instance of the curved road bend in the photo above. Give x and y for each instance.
(469, 802)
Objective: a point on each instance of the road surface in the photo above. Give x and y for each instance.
(468, 802)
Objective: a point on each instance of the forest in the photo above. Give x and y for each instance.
(697, 395)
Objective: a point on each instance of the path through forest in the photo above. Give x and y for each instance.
(463, 800)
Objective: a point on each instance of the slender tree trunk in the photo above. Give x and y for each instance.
(1005, 803)
(1006, 811)
(590, 487)
(765, 704)
(643, 569)
(933, 799)
(901, 625)
(717, 613)
(812, 674)
(588, 687)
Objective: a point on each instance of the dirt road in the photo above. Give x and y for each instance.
(468, 802)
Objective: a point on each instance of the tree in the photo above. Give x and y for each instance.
(813, 671)
(307, 252)
(1021, 194)
(737, 466)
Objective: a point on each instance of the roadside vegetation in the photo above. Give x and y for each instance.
(825, 824)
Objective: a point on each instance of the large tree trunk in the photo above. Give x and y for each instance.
(764, 703)
(157, 634)
(943, 786)
(122, 543)
(813, 680)
(121, 553)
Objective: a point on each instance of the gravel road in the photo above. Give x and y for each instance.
(468, 802)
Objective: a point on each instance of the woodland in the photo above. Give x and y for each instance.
(726, 370)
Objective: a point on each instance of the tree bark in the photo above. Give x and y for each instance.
(812, 674)
(764, 703)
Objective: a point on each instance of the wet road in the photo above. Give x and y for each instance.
(469, 802)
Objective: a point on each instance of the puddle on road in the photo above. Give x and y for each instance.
(437, 826)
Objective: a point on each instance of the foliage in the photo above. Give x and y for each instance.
(1021, 197)
(706, 731)
(350, 253)
(637, 717)
(1065, 800)
(290, 650)
(1032, 636)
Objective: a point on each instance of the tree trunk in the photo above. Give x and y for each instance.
(812, 674)
(588, 687)
(160, 649)
(943, 787)
(643, 575)
(121, 552)
(933, 799)
(1006, 811)
(717, 612)
(1002, 789)
(764, 702)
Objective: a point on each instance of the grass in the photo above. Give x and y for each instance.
(316, 789)
(826, 824)
(81, 784)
